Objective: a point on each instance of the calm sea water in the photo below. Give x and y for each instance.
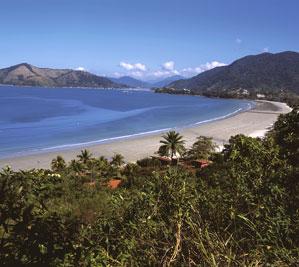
(34, 119)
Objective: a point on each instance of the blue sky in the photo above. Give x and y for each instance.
(145, 38)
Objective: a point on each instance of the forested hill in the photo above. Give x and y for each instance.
(263, 73)
(28, 75)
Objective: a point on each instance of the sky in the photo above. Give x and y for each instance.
(147, 39)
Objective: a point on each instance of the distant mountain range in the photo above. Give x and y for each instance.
(26, 74)
(263, 73)
(166, 81)
(132, 82)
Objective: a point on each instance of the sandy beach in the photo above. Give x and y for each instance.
(253, 123)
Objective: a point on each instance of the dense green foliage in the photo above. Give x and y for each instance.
(242, 210)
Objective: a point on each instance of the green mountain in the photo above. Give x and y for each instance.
(26, 74)
(264, 73)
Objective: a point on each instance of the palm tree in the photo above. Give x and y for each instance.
(173, 144)
(58, 164)
(76, 166)
(117, 160)
(130, 172)
(85, 156)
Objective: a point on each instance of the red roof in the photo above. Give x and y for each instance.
(114, 183)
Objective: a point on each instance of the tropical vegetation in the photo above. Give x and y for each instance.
(241, 210)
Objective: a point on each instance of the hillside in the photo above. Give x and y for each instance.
(131, 82)
(26, 74)
(264, 73)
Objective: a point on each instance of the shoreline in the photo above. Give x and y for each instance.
(254, 122)
(86, 144)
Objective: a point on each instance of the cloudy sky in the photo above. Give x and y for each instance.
(147, 39)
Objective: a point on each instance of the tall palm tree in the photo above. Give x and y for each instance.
(85, 156)
(173, 144)
(58, 164)
(117, 160)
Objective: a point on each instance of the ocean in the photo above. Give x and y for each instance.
(36, 119)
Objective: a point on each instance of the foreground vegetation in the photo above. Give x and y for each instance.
(241, 210)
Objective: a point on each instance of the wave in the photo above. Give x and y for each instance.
(219, 118)
(100, 141)
(106, 140)
(249, 106)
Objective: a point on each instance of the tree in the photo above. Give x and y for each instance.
(285, 133)
(58, 164)
(173, 144)
(85, 156)
(130, 172)
(76, 166)
(117, 160)
(202, 148)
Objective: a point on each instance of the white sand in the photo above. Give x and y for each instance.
(253, 123)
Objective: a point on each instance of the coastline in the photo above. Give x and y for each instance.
(254, 122)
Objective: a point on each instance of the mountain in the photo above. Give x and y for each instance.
(263, 73)
(166, 81)
(131, 82)
(26, 74)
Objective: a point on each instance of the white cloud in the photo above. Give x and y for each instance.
(161, 73)
(164, 73)
(204, 67)
(138, 74)
(167, 69)
(80, 68)
(238, 41)
(169, 65)
(140, 66)
(210, 65)
(266, 49)
(136, 66)
(126, 66)
(139, 70)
